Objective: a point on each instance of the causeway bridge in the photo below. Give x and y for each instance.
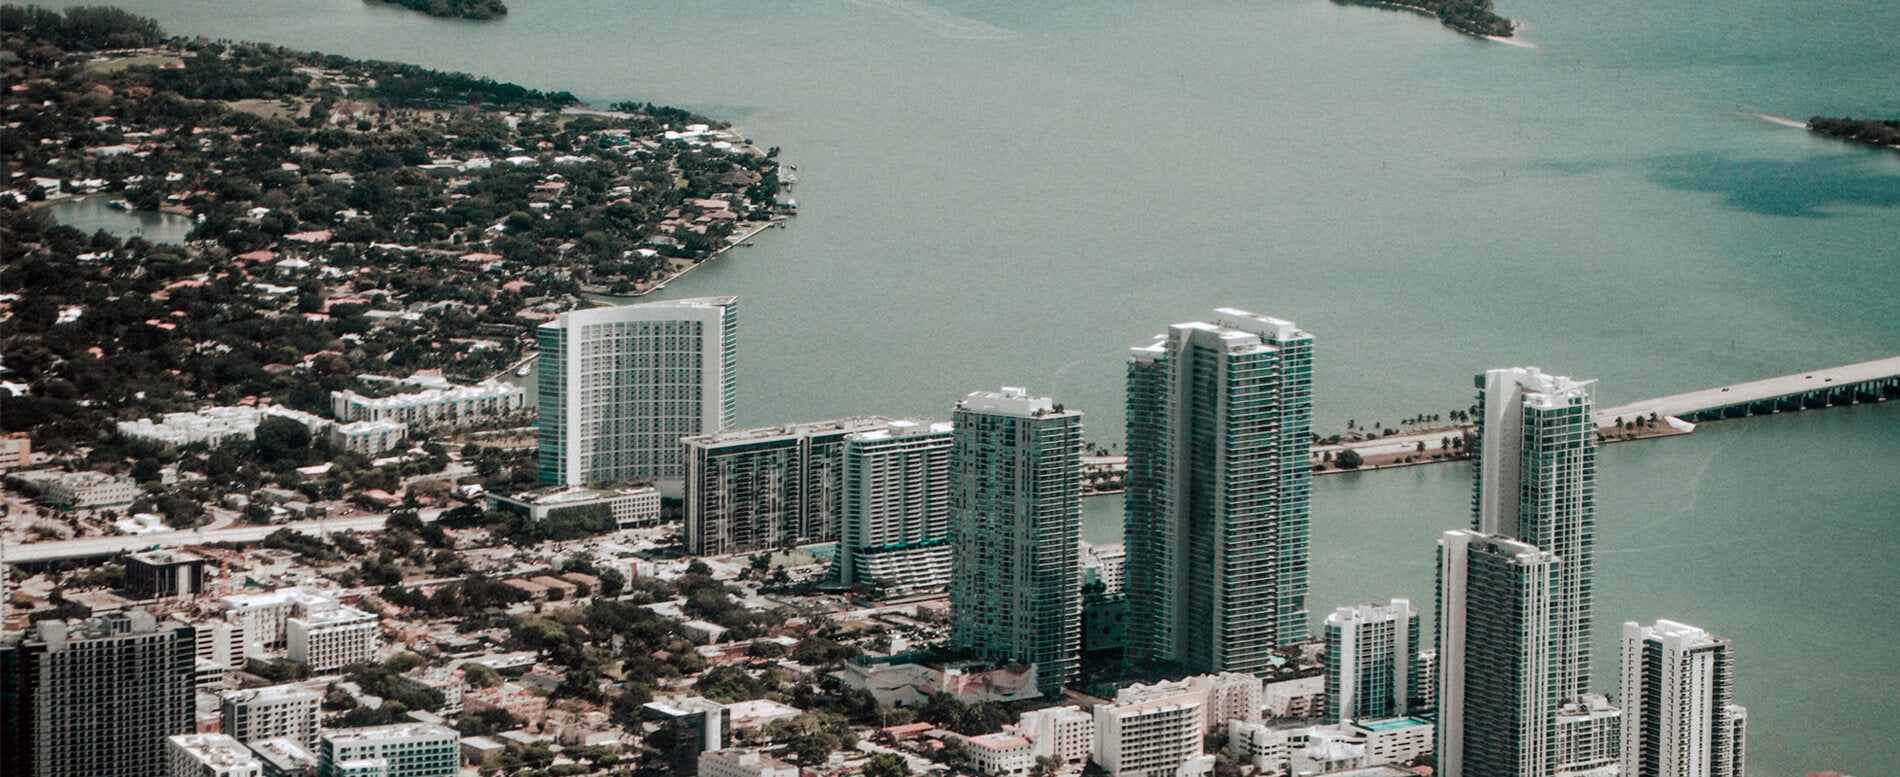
(1848, 384)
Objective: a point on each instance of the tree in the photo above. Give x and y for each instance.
(889, 765)
(279, 438)
(1348, 459)
(1046, 765)
(813, 748)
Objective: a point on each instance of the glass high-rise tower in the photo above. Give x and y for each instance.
(1219, 440)
(619, 386)
(1496, 715)
(1536, 483)
(1016, 532)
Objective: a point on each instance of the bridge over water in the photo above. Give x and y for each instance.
(1849, 384)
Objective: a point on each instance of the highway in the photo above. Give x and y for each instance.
(90, 547)
(1753, 391)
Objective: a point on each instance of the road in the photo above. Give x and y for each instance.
(1753, 391)
(90, 547)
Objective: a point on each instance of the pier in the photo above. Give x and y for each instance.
(1850, 384)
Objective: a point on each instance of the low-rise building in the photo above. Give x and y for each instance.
(332, 639)
(273, 712)
(1304, 697)
(284, 758)
(1008, 754)
(684, 727)
(16, 451)
(1064, 733)
(447, 681)
(369, 437)
(738, 762)
(82, 490)
(164, 574)
(630, 506)
(523, 704)
(1326, 748)
(911, 679)
(455, 405)
(401, 750)
(214, 426)
(264, 615)
(210, 755)
(1153, 737)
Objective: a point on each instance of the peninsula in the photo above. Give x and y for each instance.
(1471, 17)
(352, 217)
(1873, 132)
(480, 10)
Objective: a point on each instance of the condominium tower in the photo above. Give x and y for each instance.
(1371, 659)
(1495, 707)
(896, 521)
(619, 386)
(1015, 530)
(757, 489)
(97, 699)
(1219, 434)
(1536, 483)
(1679, 715)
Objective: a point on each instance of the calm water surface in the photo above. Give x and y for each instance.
(996, 192)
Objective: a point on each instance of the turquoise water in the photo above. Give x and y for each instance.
(996, 192)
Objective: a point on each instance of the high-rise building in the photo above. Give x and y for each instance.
(757, 489)
(1016, 532)
(1219, 434)
(273, 712)
(1371, 652)
(1495, 704)
(400, 750)
(1679, 715)
(618, 387)
(1536, 483)
(896, 521)
(97, 699)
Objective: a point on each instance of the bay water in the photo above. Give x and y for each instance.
(1013, 193)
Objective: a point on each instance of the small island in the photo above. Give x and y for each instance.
(1471, 17)
(479, 10)
(1873, 132)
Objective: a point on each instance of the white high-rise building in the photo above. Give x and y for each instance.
(619, 386)
(896, 518)
(1219, 437)
(1679, 715)
(1370, 655)
(1016, 533)
(1536, 483)
(1495, 656)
